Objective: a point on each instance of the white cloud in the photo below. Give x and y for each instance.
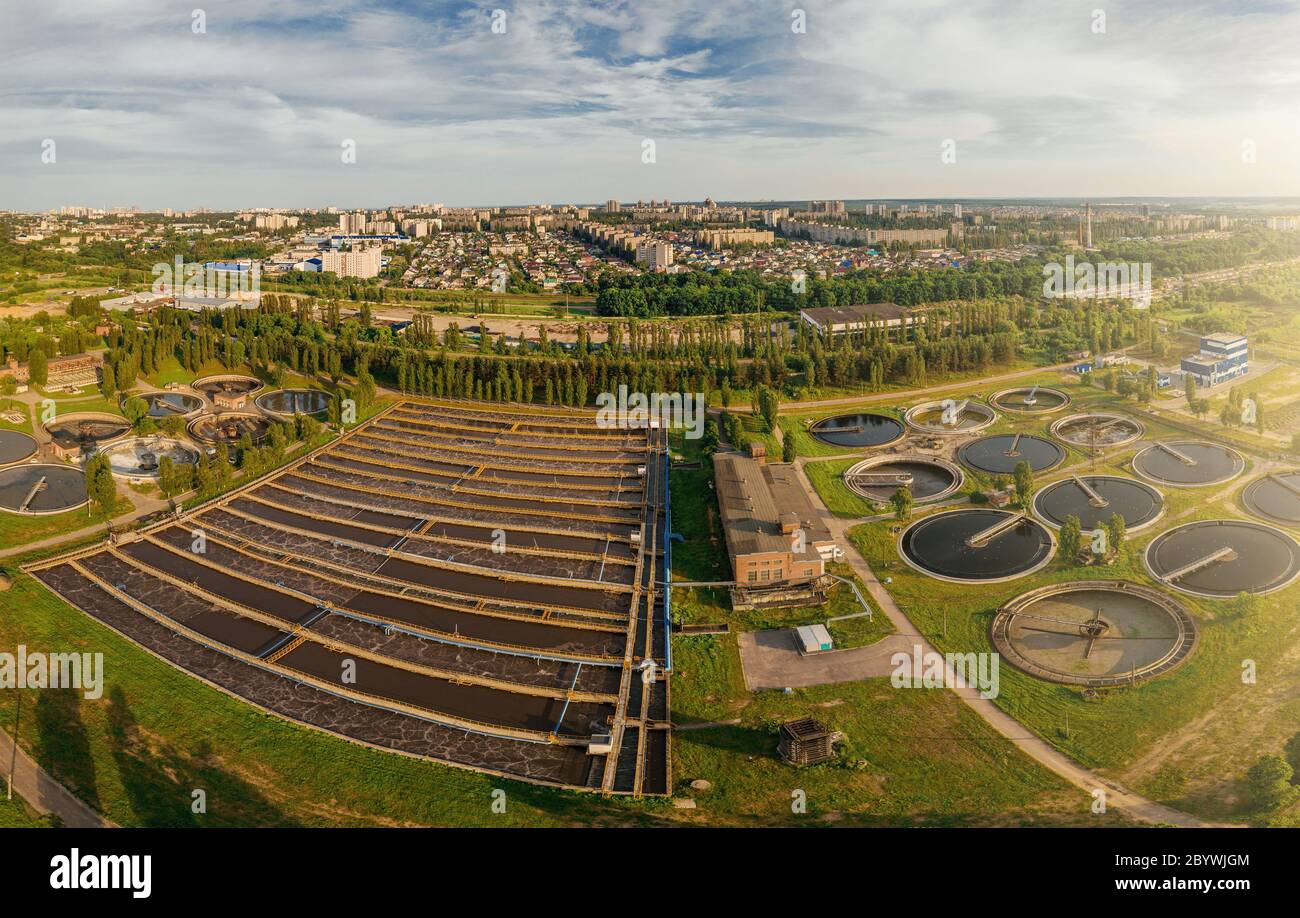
(253, 112)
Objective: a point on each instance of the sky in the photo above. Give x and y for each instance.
(1029, 98)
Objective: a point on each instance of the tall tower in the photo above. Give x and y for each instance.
(1087, 225)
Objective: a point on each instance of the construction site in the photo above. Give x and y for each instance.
(476, 583)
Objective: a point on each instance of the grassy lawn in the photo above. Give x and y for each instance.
(1121, 726)
(20, 529)
(15, 815)
(828, 478)
(157, 733)
(908, 757)
(94, 402)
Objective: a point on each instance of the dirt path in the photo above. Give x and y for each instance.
(1134, 805)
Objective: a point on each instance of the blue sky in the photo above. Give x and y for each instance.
(253, 111)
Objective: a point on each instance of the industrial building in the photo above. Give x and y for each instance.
(1223, 356)
(777, 544)
(837, 320)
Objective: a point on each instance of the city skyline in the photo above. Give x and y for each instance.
(143, 110)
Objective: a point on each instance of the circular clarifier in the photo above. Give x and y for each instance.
(950, 416)
(1098, 430)
(289, 402)
(1221, 558)
(928, 479)
(141, 457)
(16, 446)
(858, 430)
(1094, 498)
(41, 489)
(1094, 632)
(229, 385)
(999, 454)
(1275, 497)
(1030, 400)
(976, 545)
(86, 431)
(229, 428)
(1188, 463)
(167, 404)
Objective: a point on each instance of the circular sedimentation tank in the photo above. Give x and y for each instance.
(87, 430)
(228, 384)
(1094, 498)
(141, 457)
(1221, 558)
(858, 430)
(167, 404)
(42, 488)
(1275, 497)
(928, 479)
(976, 546)
(1030, 400)
(1094, 632)
(1188, 463)
(16, 446)
(229, 428)
(999, 454)
(288, 402)
(950, 416)
(1098, 429)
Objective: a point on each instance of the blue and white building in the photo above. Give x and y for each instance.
(1223, 356)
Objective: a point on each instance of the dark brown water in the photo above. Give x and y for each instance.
(1138, 503)
(65, 487)
(989, 454)
(1266, 559)
(165, 404)
(294, 401)
(858, 430)
(938, 544)
(1212, 463)
(927, 479)
(1274, 500)
(15, 446)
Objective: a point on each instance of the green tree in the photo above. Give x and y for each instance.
(108, 382)
(1116, 530)
(1023, 475)
(1292, 750)
(38, 367)
(1268, 782)
(1071, 540)
(135, 409)
(901, 501)
(787, 449)
(100, 486)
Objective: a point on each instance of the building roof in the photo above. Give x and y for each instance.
(753, 497)
(1224, 338)
(856, 314)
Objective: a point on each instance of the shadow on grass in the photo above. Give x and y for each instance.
(63, 744)
(160, 780)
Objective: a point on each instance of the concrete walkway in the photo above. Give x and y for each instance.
(771, 660)
(1134, 805)
(43, 793)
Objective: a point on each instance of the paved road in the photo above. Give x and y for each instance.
(902, 395)
(1039, 750)
(43, 793)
